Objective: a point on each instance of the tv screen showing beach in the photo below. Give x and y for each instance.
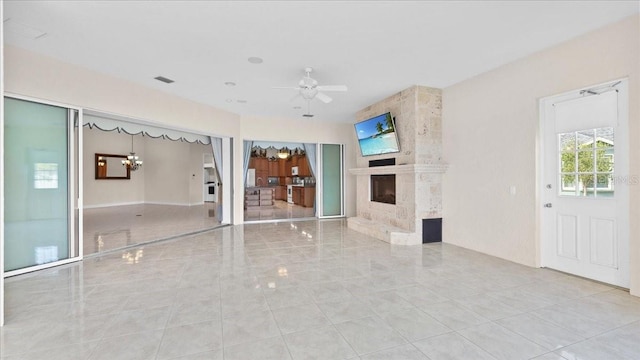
(377, 135)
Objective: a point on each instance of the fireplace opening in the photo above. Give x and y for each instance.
(383, 188)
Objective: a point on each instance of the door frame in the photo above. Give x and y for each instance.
(75, 182)
(622, 86)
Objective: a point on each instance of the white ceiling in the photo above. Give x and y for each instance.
(376, 48)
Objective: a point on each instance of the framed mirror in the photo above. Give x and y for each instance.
(109, 167)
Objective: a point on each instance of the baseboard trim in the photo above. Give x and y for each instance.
(139, 203)
(112, 205)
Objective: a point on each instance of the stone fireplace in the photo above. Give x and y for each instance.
(396, 213)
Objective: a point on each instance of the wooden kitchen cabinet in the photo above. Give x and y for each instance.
(281, 192)
(262, 177)
(273, 168)
(262, 169)
(261, 164)
(296, 193)
(304, 196)
(303, 166)
(308, 196)
(287, 165)
(282, 172)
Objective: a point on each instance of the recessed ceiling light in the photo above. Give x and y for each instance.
(255, 60)
(297, 107)
(239, 101)
(163, 79)
(229, 100)
(230, 83)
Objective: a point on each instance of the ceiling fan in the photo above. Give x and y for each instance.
(309, 89)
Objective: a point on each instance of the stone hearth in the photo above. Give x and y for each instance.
(417, 113)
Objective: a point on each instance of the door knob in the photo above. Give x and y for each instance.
(548, 205)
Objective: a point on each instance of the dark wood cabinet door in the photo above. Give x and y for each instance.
(273, 168)
(303, 166)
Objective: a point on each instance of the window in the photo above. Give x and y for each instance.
(586, 160)
(45, 176)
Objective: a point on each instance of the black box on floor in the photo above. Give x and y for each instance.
(431, 230)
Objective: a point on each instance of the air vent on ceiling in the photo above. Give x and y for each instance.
(163, 79)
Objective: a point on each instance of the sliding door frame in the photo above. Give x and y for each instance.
(74, 186)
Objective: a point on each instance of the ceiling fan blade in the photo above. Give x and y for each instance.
(332, 88)
(286, 87)
(323, 97)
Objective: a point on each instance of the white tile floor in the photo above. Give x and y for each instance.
(312, 290)
(115, 227)
(279, 210)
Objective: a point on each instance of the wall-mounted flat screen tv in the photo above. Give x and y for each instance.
(377, 135)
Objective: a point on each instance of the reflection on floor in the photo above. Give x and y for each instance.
(115, 227)
(280, 210)
(311, 290)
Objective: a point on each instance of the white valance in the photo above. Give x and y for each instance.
(106, 124)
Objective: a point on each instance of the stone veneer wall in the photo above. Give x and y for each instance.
(418, 114)
(418, 119)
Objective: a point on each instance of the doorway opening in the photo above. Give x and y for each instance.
(280, 181)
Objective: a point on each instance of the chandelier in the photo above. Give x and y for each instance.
(132, 163)
(283, 153)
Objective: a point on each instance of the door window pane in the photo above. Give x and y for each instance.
(568, 185)
(586, 161)
(568, 162)
(584, 139)
(567, 142)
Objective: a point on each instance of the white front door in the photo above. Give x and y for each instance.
(585, 178)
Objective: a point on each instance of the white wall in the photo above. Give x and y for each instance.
(490, 125)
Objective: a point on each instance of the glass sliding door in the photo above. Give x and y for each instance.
(331, 162)
(40, 158)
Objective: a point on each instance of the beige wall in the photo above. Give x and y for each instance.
(490, 125)
(172, 171)
(110, 192)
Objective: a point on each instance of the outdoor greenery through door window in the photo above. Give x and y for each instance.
(587, 163)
